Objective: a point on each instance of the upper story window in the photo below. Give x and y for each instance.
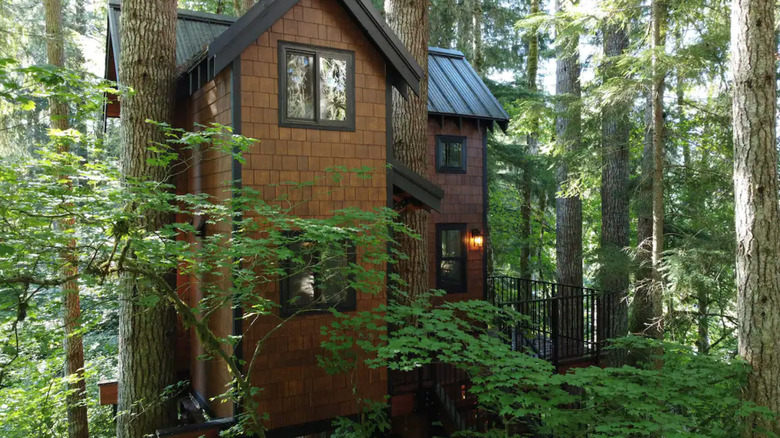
(317, 277)
(451, 256)
(450, 154)
(316, 87)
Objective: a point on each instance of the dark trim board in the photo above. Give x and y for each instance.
(306, 428)
(218, 423)
(485, 206)
(410, 182)
(265, 13)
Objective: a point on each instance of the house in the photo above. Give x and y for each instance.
(231, 74)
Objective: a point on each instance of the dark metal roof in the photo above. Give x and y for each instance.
(194, 31)
(455, 89)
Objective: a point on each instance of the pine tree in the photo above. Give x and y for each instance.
(616, 131)
(526, 209)
(658, 43)
(148, 65)
(568, 206)
(78, 426)
(754, 109)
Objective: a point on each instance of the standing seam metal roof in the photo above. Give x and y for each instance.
(455, 88)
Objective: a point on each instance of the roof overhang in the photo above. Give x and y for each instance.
(410, 188)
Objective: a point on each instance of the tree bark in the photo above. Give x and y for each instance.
(76, 400)
(659, 10)
(409, 20)
(526, 209)
(479, 56)
(466, 28)
(148, 66)
(616, 131)
(646, 308)
(568, 224)
(757, 212)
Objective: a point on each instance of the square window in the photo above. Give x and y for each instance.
(317, 87)
(450, 154)
(451, 255)
(317, 277)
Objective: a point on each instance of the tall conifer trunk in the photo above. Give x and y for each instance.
(754, 108)
(409, 20)
(526, 209)
(148, 65)
(646, 307)
(76, 401)
(568, 224)
(616, 130)
(659, 12)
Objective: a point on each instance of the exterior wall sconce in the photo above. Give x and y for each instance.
(476, 239)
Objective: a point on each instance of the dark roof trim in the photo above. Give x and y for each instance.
(411, 182)
(456, 90)
(217, 423)
(246, 30)
(265, 13)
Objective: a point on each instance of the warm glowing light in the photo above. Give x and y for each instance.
(476, 239)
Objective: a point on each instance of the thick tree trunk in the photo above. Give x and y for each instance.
(754, 108)
(409, 20)
(526, 209)
(147, 64)
(466, 28)
(568, 224)
(659, 9)
(479, 57)
(76, 401)
(646, 308)
(616, 131)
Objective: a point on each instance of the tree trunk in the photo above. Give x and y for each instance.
(466, 28)
(568, 224)
(409, 20)
(148, 66)
(616, 131)
(646, 308)
(659, 8)
(479, 56)
(526, 208)
(76, 400)
(757, 212)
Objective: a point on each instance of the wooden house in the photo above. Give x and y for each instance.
(232, 73)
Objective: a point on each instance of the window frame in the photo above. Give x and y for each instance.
(441, 140)
(440, 283)
(347, 305)
(317, 52)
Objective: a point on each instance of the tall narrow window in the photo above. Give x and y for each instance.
(316, 87)
(451, 256)
(450, 154)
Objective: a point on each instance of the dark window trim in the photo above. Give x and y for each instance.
(317, 52)
(347, 305)
(440, 140)
(463, 286)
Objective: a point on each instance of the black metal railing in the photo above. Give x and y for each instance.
(564, 323)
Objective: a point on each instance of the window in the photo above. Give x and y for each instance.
(450, 154)
(316, 87)
(317, 277)
(451, 257)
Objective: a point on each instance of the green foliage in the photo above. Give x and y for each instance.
(676, 394)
